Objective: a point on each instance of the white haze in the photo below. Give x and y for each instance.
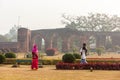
(46, 14)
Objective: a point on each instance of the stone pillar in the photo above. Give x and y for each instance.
(100, 40)
(97, 41)
(115, 40)
(39, 43)
(24, 39)
(48, 43)
(103, 40)
(54, 43)
(65, 45)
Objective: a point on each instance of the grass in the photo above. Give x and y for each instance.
(50, 73)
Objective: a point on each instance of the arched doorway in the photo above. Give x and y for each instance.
(40, 42)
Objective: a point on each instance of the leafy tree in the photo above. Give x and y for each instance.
(12, 35)
(70, 22)
(92, 22)
(3, 39)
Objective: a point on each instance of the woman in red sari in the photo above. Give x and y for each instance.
(34, 64)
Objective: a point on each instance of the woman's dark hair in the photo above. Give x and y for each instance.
(84, 47)
(84, 44)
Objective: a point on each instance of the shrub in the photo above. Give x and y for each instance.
(10, 61)
(10, 55)
(99, 51)
(68, 58)
(28, 55)
(95, 66)
(50, 51)
(2, 58)
(46, 62)
(117, 48)
(77, 56)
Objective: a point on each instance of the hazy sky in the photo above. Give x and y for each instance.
(42, 14)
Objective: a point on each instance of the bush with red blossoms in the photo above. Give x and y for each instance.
(104, 59)
(95, 66)
(51, 51)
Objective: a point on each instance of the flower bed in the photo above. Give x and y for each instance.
(116, 59)
(51, 51)
(102, 60)
(95, 66)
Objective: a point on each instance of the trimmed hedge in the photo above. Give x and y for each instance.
(77, 56)
(10, 55)
(68, 58)
(55, 61)
(27, 61)
(2, 58)
(10, 61)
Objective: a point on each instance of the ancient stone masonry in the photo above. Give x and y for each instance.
(63, 39)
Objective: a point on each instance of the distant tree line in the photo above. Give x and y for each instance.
(11, 36)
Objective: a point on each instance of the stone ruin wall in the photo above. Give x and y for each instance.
(9, 46)
(26, 39)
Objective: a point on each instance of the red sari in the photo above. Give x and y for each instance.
(34, 64)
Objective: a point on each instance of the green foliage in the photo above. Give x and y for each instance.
(68, 58)
(27, 61)
(12, 34)
(74, 49)
(77, 56)
(10, 61)
(29, 55)
(3, 39)
(10, 55)
(100, 50)
(75, 53)
(2, 58)
(117, 47)
(46, 62)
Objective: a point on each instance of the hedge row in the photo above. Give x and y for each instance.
(6, 55)
(28, 61)
(54, 61)
(95, 66)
